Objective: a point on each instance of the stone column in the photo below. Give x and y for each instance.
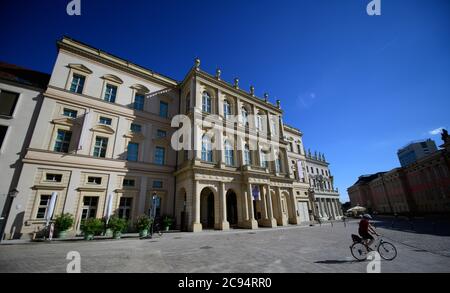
(197, 225)
(293, 216)
(283, 220)
(271, 222)
(223, 222)
(142, 195)
(250, 221)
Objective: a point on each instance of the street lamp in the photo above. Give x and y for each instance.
(9, 200)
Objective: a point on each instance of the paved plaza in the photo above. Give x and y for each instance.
(291, 249)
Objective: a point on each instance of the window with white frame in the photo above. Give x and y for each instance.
(89, 209)
(244, 115)
(70, 113)
(104, 120)
(259, 122)
(135, 128)
(229, 154)
(62, 141)
(226, 109)
(77, 84)
(50, 177)
(125, 208)
(207, 154)
(101, 145)
(94, 180)
(206, 102)
(247, 155)
(44, 201)
(264, 159)
(278, 164)
(129, 182)
(110, 93)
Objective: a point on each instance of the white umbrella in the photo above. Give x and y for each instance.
(357, 209)
(51, 207)
(109, 207)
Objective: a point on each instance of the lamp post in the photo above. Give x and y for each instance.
(8, 204)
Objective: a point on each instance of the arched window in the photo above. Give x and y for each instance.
(247, 156)
(244, 114)
(207, 154)
(188, 102)
(226, 109)
(206, 102)
(229, 154)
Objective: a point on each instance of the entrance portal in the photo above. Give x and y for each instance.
(232, 211)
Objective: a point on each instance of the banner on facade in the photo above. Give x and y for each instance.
(300, 170)
(255, 192)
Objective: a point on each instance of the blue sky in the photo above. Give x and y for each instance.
(359, 87)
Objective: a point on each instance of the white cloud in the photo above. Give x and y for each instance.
(436, 131)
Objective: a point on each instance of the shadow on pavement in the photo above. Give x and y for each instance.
(336, 261)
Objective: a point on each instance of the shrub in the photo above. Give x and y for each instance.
(64, 222)
(91, 226)
(168, 221)
(117, 224)
(143, 223)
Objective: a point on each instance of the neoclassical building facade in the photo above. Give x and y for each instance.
(107, 131)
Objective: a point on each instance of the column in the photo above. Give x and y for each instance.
(223, 223)
(197, 148)
(271, 222)
(293, 215)
(197, 225)
(142, 195)
(249, 221)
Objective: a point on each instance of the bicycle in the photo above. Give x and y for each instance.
(360, 250)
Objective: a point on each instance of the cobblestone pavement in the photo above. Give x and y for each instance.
(291, 249)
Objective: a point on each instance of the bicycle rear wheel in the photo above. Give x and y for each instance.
(387, 251)
(359, 251)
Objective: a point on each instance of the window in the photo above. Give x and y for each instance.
(207, 154)
(62, 142)
(157, 184)
(43, 206)
(133, 152)
(206, 102)
(244, 114)
(101, 144)
(226, 109)
(89, 207)
(259, 122)
(229, 154)
(135, 128)
(312, 170)
(291, 148)
(94, 180)
(105, 121)
(159, 155)
(264, 162)
(273, 128)
(77, 84)
(161, 133)
(317, 169)
(125, 207)
(188, 103)
(70, 113)
(163, 109)
(8, 102)
(110, 93)
(3, 130)
(139, 102)
(247, 155)
(129, 182)
(278, 165)
(53, 177)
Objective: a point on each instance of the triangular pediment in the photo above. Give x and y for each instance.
(140, 88)
(64, 121)
(134, 136)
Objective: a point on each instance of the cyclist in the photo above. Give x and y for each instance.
(366, 229)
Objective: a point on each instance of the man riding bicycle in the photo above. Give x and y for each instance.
(365, 230)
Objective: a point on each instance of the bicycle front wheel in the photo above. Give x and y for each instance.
(359, 251)
(387, 251)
